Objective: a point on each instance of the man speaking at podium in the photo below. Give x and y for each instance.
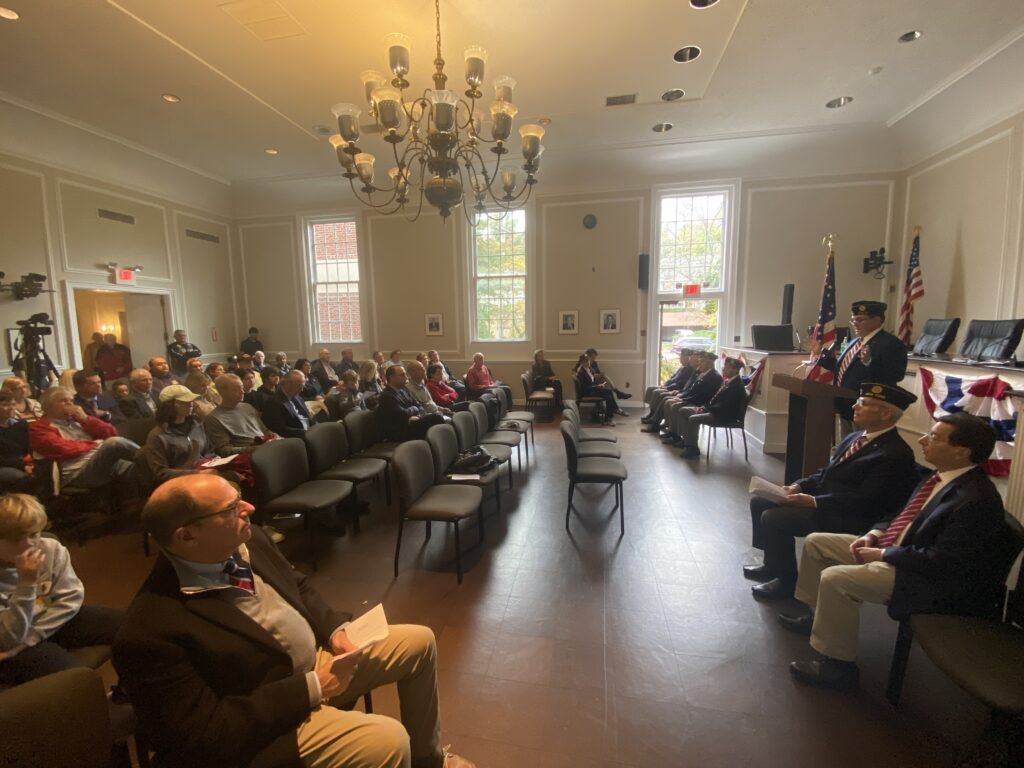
(873, 354)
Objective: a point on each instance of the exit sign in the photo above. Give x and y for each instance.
(124, 277)
(691, 290)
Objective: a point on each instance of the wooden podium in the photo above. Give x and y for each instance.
(811, 423)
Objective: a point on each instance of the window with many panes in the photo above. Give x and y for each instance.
(691, 241)
(334, 257)
(499, 277)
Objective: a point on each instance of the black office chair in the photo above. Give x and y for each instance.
(936, 336)
(330, 459)
(991, 339)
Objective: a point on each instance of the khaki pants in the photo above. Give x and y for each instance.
(334, 738)
(835, 585)
(680, 416)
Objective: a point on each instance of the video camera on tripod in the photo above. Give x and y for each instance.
(30, 286)
(31, 355)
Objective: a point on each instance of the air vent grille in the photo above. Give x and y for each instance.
(618, 101)
(195, 233)
(124, 218)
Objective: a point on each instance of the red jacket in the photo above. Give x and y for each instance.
(443, 394)
(479, 378)
(46, 440)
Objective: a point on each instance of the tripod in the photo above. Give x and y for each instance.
(31, 358)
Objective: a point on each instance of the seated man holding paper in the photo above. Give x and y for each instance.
(871, 475)
(230, 656)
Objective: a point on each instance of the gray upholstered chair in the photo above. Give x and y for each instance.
(283, 487)
(364, 440)
(592, 448)
(498, 437)
(504, 422)
(506, 413)
(444, 447)
(536, 398)
(330, 459)
(587, 434)
(420, 499)
(595, 469)
(136, 430)
(465, 431)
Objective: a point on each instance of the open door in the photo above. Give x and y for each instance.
(140, 321)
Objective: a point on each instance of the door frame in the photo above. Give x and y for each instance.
(74, 347)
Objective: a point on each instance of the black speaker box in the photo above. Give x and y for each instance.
(644, 271)
(787, 304)
(772, 338)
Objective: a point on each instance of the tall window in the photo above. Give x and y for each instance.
(691, 241)
(335, 274)
(499, 277)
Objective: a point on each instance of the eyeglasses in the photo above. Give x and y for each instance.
(231, 511)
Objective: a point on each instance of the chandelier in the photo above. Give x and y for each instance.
(436, 139)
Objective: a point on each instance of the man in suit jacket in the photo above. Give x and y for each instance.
(139, 402)
(725, 405)
(873, 354)
(701, 388)
(871, 475)
(323, 370)
(226, 652)
(401, 417)
(654, 395)
(948, 551)
(285, 413)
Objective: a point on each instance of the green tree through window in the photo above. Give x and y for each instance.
(499, 277)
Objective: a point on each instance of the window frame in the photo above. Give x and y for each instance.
(526, 277)
(362, 284)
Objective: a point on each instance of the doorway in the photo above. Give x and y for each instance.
(140, 321)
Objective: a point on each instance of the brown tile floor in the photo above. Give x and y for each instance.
(590, 650)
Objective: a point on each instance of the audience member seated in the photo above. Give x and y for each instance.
(395, 358)
(400, 417)
(601, 379)
(15, 455)
(113, 360)
(457, 384)
(177, 443)
(88, 392)
(194, 365)
(199, 383)
(382, 368)
(417, 387)
(268, 390)
(180, 351)
(88, 451)
(590, 388)
(348, 362)
(281, 363)
(423, 359)
(285, 413)
(139, 402)
(370, 385)
(245, 366)
(702, 387)
(345, 397)
(542, 376)
(25, 408)
(118, 390)
(234, 426)
(251, 344)
(443, 395)
(726, 405)
(210, 694)
(945, 552)
(313, 390)
(249, 387)
(215, 370)
(42, 616)
(259, 361)
(871, 475)
(162, 376)
(324, 372)
(654, 396)
(479, 380)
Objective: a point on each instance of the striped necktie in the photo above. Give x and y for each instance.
(849, 357)
(855, 446)
(906, 517)
(239, 575)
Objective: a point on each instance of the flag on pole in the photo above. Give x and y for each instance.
(913, 289)
(825, 329)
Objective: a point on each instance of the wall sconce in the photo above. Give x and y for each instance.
(875, 262)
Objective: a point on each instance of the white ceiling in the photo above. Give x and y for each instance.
(767, 68)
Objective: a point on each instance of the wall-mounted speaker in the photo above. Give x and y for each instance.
(644, 271)
(787, 304)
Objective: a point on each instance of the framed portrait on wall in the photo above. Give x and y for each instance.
(608, 320)
(433, 325)
(12, 341)
(569, 321)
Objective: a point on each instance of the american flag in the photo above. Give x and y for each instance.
(825, 329)
(913, 289)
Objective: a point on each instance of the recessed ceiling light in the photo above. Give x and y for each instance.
(270, 151)
(674, 94)
(911, 36)
(842, 101)
(662, 127)
(545, 121)
(875, 70)
(689, 53)
(170, 98)
(699, 4)
(7, 13)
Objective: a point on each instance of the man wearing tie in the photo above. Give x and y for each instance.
(726, 405)
(872, 474)
(948, 551)
(284, 412)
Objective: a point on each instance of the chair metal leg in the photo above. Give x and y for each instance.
(355, 509)
(519, 455)
(398, 543)
(480, 518)
(533, 434)
(368, 703)
(898, 667)
(615, 486)
(510, 474)
(458, 553)
(526, 440)
(743, 432)
(568, 509)
(622, 510)
(387, 483)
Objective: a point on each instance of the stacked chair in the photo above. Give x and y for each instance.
(602, 470)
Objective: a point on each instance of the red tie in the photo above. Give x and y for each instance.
(855, 446)
(906, 517)
(848, 358)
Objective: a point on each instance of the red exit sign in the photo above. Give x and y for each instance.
(691, 290)
(124, 277)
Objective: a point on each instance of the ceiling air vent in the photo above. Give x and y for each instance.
(618, 101)
(195, 233)
(124, 218)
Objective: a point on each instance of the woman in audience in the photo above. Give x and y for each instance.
(15, 472)
(25, 408)
(370, 385)
(268, 389)
(177, 443)
(201, 385)
(543, 376)
(442, 394)
(434, 357)
(312, 390)
(345, 397)
(590, 388)
(423, 359)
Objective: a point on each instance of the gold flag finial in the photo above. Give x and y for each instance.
(829, 242)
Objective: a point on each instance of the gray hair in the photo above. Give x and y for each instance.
(52, 393)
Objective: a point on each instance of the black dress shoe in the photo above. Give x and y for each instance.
(800, 625)
(772, 590)
(827, 673)
(645, 420)
(669, 437)
(690, 453)
(654, 429)
(622, 395)
(757, 573)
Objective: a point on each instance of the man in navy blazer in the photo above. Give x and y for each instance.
(284, 412)
(871, 475)
(702, 386)
(400, 416)
(948, 551)
(655, 396)
(726, 405)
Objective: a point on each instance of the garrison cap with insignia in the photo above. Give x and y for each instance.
(869, 308)
(710, 355)
(894, 396)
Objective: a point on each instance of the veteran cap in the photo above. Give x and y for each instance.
(895, 396)
(869, 308)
